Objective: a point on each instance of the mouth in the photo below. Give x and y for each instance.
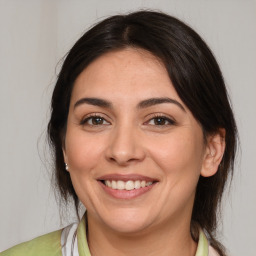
(126, 186)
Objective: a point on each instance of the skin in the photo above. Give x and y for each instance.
(130, 140)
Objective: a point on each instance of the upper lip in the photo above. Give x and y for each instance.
(126, 177)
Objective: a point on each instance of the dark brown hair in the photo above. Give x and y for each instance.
(195, 75)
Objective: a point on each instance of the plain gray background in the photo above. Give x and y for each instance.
(35, 35)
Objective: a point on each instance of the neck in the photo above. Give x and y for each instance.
(167, 239)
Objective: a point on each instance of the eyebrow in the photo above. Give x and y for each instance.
(94, 101)
(155, 101)
(143, 104)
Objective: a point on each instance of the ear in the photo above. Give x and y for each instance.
(213, 153)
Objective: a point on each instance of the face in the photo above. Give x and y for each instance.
(134, 150)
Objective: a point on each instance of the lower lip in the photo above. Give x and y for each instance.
(126, 194)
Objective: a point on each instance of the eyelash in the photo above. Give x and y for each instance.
(170, 121)
(91, 117)
(163, 118)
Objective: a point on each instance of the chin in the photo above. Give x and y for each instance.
(127, 221)
(128, 227)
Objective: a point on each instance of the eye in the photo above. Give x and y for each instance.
(94, 120)
(161, 121)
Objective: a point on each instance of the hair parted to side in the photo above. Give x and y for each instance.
(195, 75)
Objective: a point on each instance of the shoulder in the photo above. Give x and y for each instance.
(46, 245)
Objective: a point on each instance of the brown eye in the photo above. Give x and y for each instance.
(97, 120)
(161, 121)
(94, 121)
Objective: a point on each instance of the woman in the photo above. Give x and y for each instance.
(144, 137)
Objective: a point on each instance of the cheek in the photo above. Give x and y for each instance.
(83, 152)
(179, 154)
(180, 159)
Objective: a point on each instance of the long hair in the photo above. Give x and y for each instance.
(195, 75)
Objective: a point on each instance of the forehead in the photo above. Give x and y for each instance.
(126, 73)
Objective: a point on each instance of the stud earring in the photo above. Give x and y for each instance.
(66, 167)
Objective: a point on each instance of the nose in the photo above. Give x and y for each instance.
(125, 146)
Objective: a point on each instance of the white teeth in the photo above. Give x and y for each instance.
(108, 183)
(120, 184)
(143, 184)
(127, 185)
(137, 184)
(113, 184)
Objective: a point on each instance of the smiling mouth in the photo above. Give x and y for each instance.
(127, 185)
